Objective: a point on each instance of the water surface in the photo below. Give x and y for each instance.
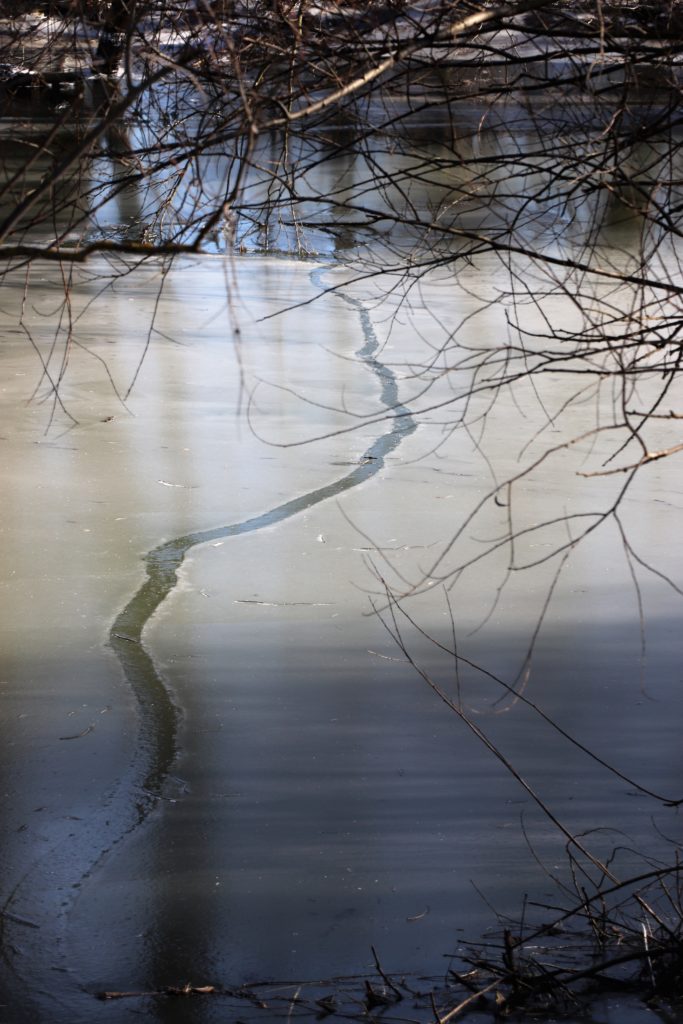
(235, 776)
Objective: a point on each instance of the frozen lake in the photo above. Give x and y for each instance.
(236, 775)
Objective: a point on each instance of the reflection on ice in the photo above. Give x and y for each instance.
(315, 799)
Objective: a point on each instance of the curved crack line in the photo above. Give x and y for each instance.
(159, 715)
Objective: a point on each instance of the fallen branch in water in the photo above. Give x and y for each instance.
(174, 991)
